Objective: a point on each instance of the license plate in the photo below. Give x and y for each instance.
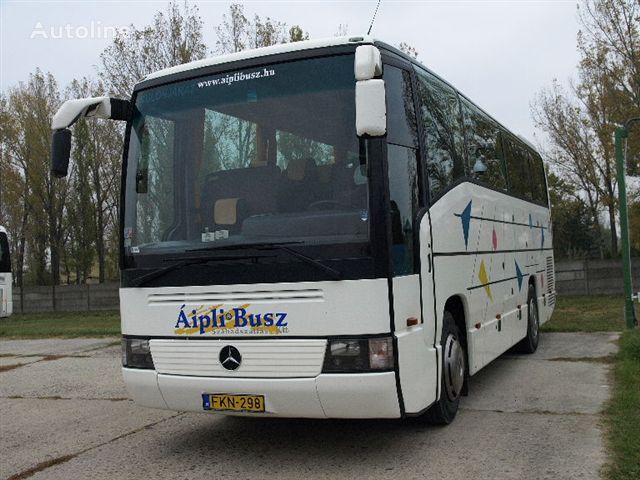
(222, 402)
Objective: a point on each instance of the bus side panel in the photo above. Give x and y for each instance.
(416, 354)
(487, 246)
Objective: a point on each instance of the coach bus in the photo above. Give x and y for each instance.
(320, 229)
(6, 279)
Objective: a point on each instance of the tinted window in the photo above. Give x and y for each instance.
(443, 140)
(403, 195)
(484, 147)
(538, 176)
(263, 154)
(518, 169)
(5, 262)
(401, 114)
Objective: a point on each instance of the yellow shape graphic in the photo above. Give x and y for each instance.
(484, 279)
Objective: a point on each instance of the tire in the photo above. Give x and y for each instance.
(529, 344)
(454, 372)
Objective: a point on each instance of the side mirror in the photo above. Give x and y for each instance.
(69, 113)
(367, 63)
(97, 107)
(371, 108)
(60, 152)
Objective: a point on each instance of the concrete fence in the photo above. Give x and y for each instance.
(594, 277)
(575, 277)
(65, 298)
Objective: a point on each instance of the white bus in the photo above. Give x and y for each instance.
(320, 229)
(6, 279)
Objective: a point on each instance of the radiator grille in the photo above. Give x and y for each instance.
(253, 297)
(260, 358)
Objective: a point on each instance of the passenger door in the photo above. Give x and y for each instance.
(416, 353)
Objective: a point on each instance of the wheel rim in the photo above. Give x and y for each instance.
(533, 312)
(453, 367)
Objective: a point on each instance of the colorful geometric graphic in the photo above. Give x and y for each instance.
(484, 279)
(465, 216)
(519, 276)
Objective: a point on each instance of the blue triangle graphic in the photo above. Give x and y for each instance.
(465, 216)
(530, 221)
(520, 276)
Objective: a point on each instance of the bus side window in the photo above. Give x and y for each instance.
(440, 113)
(484, 147)
(518, 170)
(537, 176)
(403, 196)
(401, 114)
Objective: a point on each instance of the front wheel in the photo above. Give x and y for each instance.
(454, 368)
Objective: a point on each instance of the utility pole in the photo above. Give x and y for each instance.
(620, 135)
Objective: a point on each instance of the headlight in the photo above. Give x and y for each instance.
(136, 353)
(358, 355)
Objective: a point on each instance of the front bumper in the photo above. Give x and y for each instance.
(368, 395)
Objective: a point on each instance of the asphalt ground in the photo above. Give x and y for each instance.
(64, 414)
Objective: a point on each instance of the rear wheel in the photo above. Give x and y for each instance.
(529, 344)
(454, 368)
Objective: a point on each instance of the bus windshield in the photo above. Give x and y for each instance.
(259, 155)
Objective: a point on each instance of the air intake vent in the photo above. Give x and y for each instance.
(253, 297)
(551, 282)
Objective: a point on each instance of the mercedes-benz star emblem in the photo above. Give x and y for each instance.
(230, 357)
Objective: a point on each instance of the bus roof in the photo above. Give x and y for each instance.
(263, 52)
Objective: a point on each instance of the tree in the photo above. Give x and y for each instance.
(571, 151)
(296, 34)
(97, 157)
(236, 32)
(408, 49)
(174, 38)
(580, 123)
(574, 231)
(342, 31)
(31, 107)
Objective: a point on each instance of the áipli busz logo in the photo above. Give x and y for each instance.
(217, 319)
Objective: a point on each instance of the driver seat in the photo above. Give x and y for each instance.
(301, 186)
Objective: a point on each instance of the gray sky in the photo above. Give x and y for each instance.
(499, 53)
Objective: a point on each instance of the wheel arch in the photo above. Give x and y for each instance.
(456, 306)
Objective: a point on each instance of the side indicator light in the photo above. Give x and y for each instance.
(412, 321)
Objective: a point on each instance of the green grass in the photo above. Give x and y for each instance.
(596, 313)
(623, 414)
(61, 324)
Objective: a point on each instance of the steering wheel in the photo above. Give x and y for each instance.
(325, 205)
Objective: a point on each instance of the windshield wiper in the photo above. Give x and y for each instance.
(240, 246)
(146, 278)
(335, 274)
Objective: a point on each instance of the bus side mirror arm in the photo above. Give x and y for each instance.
(69, 113)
